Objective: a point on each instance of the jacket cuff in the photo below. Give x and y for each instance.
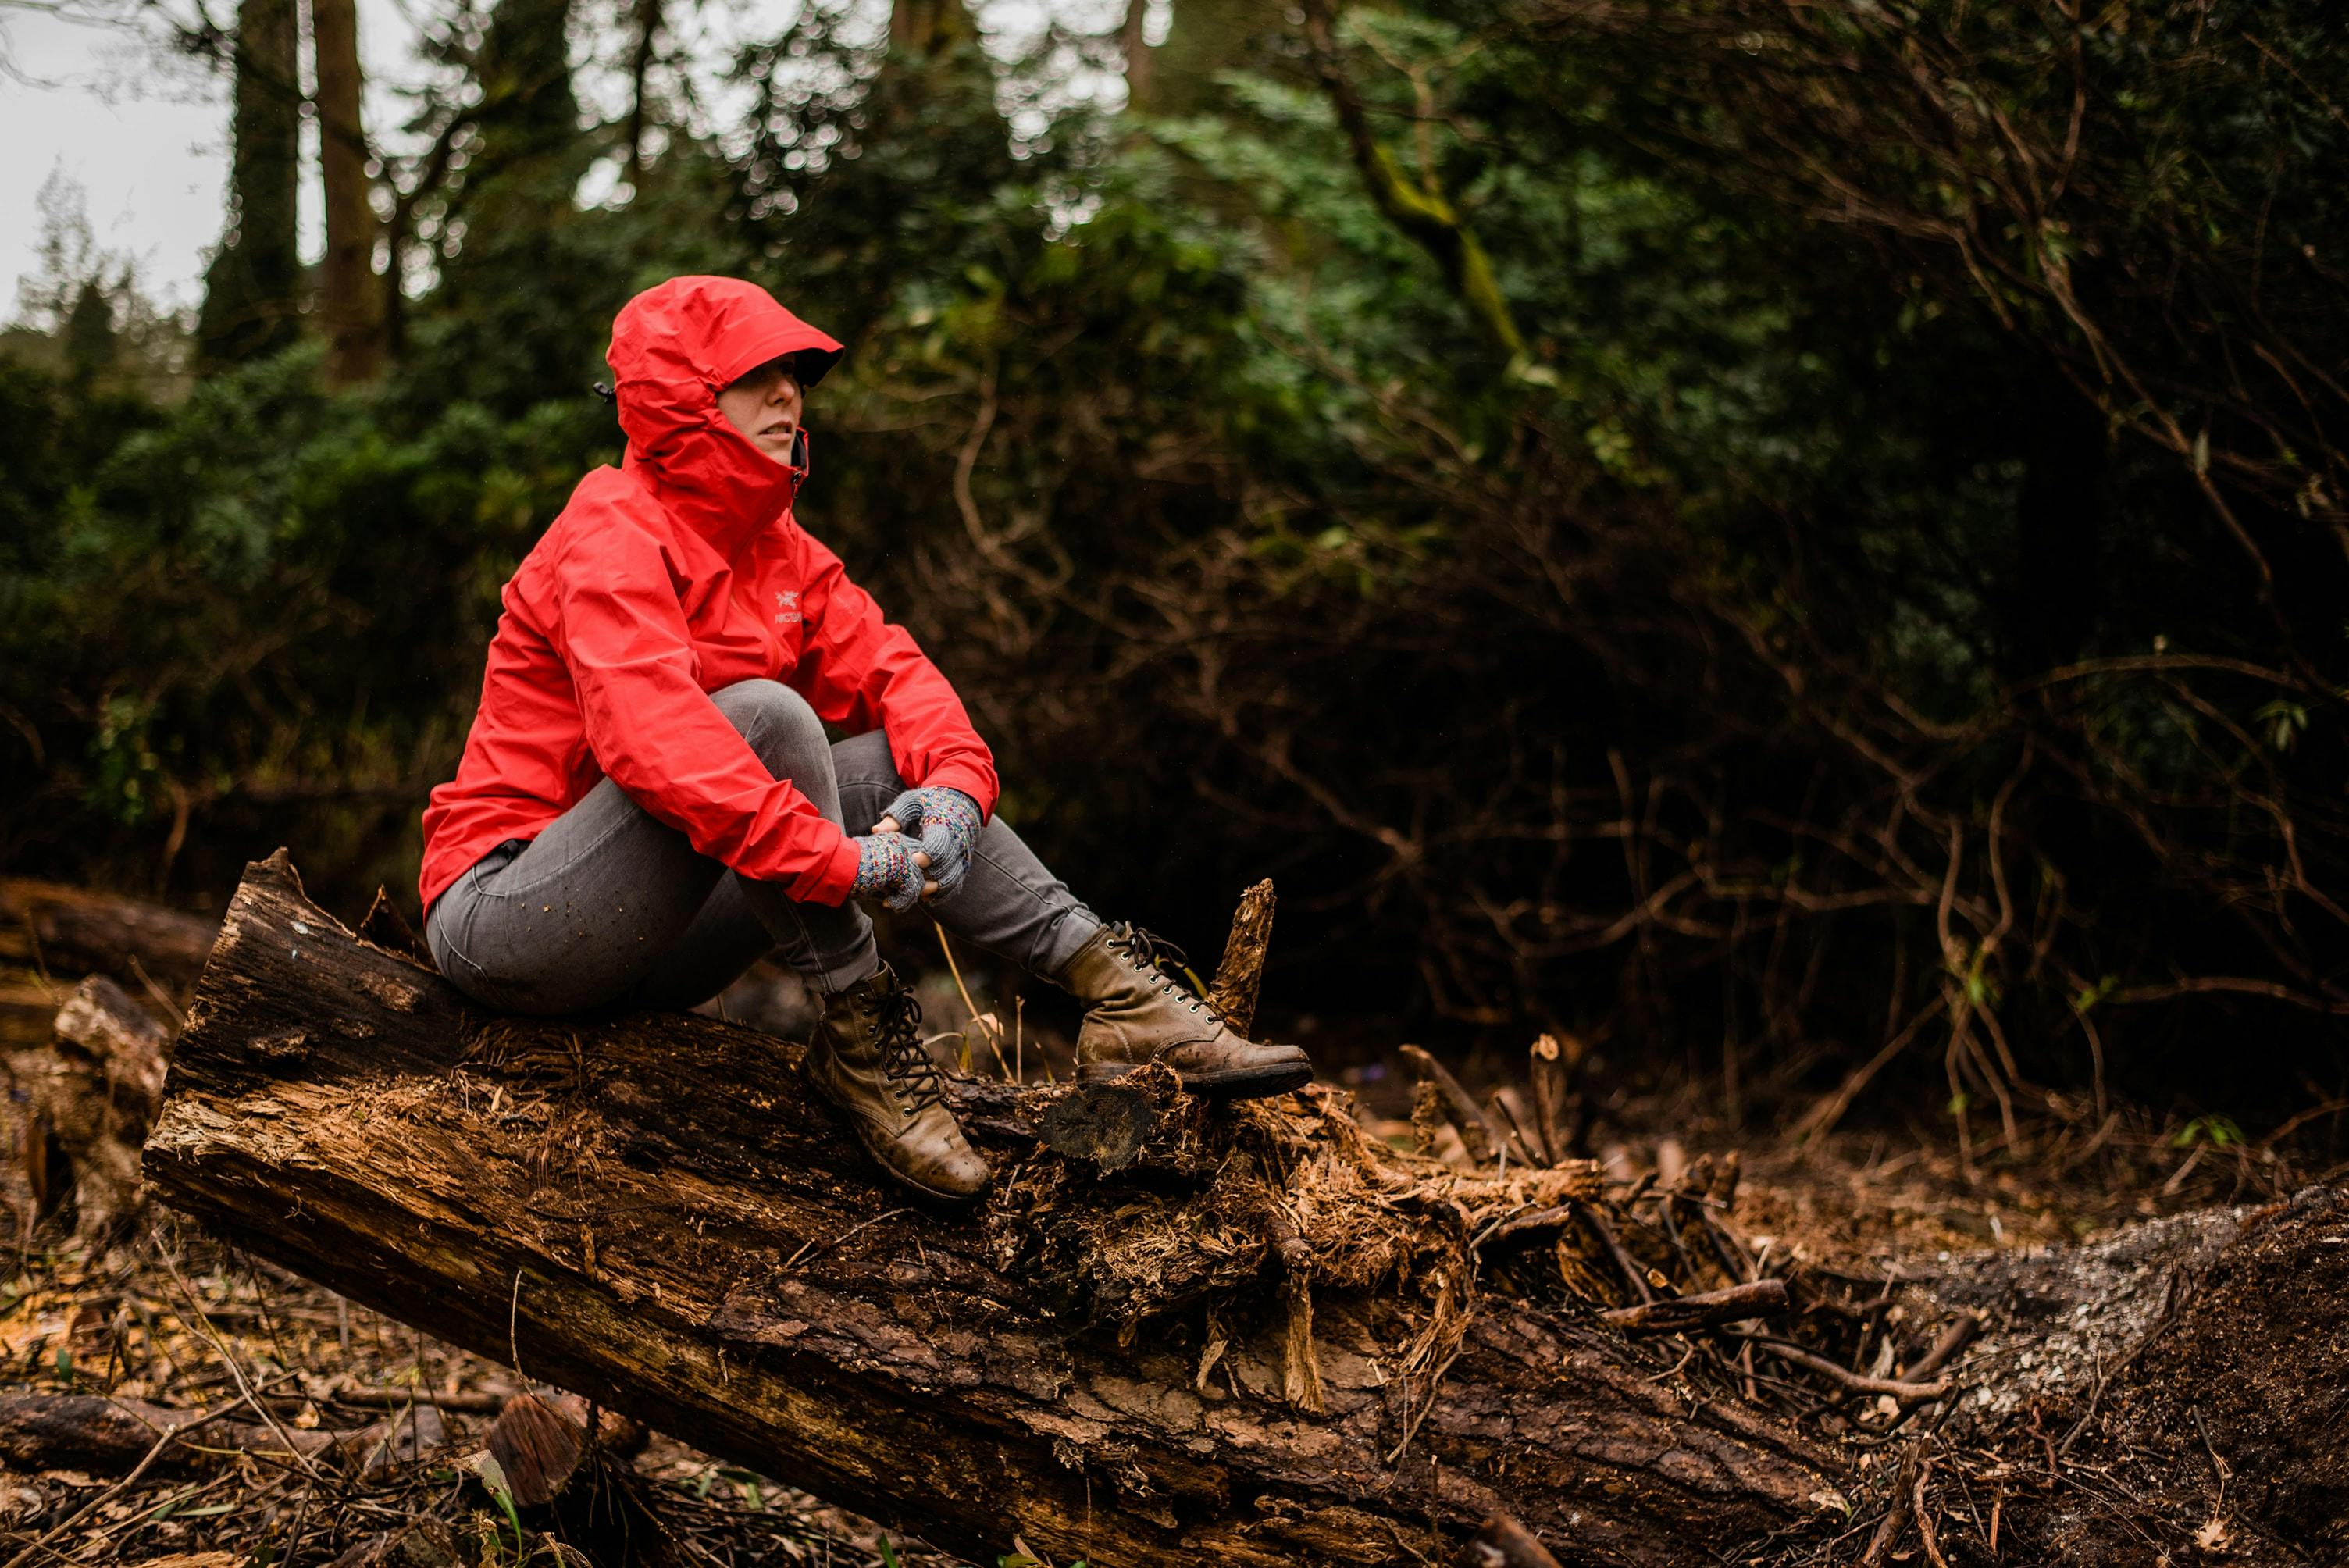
(971, 781)
(829, 885)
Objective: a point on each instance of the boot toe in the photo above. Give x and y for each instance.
(962, 1176)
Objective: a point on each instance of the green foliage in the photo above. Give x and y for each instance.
(2218, 1132)
(1815, 599)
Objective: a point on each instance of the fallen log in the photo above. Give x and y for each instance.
(76, 930)
(1247, 1335)
(652, 1211)
(106, 1436)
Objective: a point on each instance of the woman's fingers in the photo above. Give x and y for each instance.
(928, 888)
(887, 825)
(922, 861)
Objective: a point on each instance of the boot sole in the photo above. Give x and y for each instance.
(1233, 1083)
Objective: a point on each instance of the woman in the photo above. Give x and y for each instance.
(648, 803)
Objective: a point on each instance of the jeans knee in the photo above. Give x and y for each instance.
(865, 759)
(777, 721)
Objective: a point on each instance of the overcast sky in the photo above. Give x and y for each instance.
(83, 90)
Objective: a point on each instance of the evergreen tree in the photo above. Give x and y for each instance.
(524, 275)
(90, 345)
(251, 309)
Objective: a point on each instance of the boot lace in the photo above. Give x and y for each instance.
(1151, 953)
(897, 1037)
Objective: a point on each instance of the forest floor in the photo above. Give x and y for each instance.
(163, 1314)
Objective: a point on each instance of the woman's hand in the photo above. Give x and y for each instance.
(889, 867)
(946, 822)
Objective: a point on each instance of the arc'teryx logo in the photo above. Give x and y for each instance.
(787, 607)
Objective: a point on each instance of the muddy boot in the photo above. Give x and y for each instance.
(867, 1059)
(1139, 1013)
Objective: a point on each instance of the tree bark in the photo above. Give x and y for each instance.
(349, 297)
(652, 1210)
(1239, 977)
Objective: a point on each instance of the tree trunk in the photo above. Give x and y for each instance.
(651, 1209)
(348, 294)
(1134, 42)
(250, 308)
(1253, 1335)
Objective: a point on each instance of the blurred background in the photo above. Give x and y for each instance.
(1804, 545)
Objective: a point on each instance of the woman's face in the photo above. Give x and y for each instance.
(765, 406)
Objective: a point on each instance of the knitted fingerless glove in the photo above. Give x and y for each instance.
(885, 870)
(946, 822)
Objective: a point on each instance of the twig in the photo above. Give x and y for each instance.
(811, 1247)
(1482, 1135)
(1924, 1515)
(993, 1031)
(1855, 1382)
(205, 1327)
(1762, 1298)
(1903, 1500)
(1954, 1338)
(1623, 1260)
(161, 996)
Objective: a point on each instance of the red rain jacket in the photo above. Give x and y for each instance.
(674, 574)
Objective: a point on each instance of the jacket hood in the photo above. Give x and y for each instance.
(674, 348)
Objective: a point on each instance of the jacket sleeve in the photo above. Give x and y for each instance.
(656, 733)
(863, 672)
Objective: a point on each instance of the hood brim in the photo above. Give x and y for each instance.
(815, 352)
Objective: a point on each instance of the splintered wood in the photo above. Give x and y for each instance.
(1240, 976)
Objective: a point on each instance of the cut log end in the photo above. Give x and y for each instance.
(537, 1449)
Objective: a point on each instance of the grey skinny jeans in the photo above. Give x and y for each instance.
(609, 906)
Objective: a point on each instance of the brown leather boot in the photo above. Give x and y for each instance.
(867, 1059)
(1141, 1014)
